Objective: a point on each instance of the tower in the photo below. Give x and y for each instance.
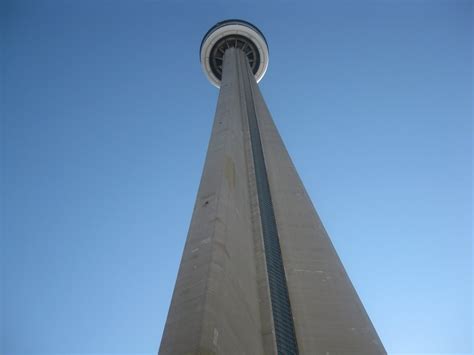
(258, 274)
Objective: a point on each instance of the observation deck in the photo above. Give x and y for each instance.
(233, 33)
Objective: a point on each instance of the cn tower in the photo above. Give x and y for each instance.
(258, 274)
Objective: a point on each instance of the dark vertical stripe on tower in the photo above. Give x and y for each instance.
(281, 308)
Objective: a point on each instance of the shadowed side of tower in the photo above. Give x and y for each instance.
(215, 306)
(258, 274)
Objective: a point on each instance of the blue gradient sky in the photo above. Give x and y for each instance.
(105, 121)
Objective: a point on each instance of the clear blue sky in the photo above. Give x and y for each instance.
(105, 120)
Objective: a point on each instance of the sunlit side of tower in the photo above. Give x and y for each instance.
(258, 274)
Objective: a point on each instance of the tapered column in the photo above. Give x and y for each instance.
(259, 274)
(329, 317)
(215, 304)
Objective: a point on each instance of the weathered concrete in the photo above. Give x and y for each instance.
(215, 308)
(221, 302)
(329, 316)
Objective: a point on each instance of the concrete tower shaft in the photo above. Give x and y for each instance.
(259, 274)
(219, 291)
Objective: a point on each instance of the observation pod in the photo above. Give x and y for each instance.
(228, 34)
